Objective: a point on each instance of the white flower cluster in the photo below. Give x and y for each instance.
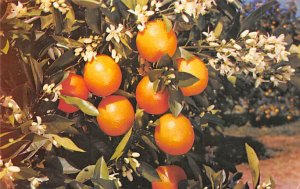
(10, 103)
(253, 54)
(16, 10)
(193, 8)
(156, 4)
(51, 89)
(37, 127)
(8, 169)
(116, 34)
(35, 182)
(142, 14)
(90, 50)
(46, 5)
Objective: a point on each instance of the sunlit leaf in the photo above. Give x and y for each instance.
(66, 143)
(101, 169)
(67, 167)
(253, 164)
(129, 3)
(85, 174)
(6, 47)
(83, 105)
(168, 23)
(120, 148)
(185, 54)
(46, 21)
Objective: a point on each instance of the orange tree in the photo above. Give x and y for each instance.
(123, 93)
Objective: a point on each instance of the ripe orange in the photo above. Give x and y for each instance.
(197, 68)
(152, 102)
(155, 41)
(102, 75)
(174, 135)
(74, 86)
(170, 177)
(116, 115)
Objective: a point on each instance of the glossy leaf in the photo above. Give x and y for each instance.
(253, 164)
(71, 43)
(175, 102)
(88, 3)
(37, 73)
(129, 3)
(6, 47)
(101, 169)
(186, 79)
(92, 18)
(57, 124)
(83, 105)
(148, 172)
(85, 174)
(168, 23)
(120, 148)
(185, 54)
(63, 61)
(155, 74)
(67, 167)
(66, 143)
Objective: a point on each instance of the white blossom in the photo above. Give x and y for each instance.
(114, 33)
(46, 5)
(142, 14)
(37, 127)
(17, 10)
(35, 182)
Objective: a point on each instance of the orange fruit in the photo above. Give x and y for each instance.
(170, 177)
(155, 41)
(74, 86)
(116, 115)
(102, 75)
(174, 135)
(152, 102)
(197, 68)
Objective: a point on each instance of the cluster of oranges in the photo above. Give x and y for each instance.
(102, 76)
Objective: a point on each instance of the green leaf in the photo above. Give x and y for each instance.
(185, 54)
(130, 3)
(253, 164)
(104, 183)
(232, 79)
(6, 47)
(175, 102)
(58, 21)
(165, 60)
(141, 2)
(88, 3)
(70, 20)
(66, 59)
(120, 148)
(209, 118)
(46, 21)
(37, 73)
(14, 149)
(168, 23)
(101, 169)
(83, 105)
(66, 143)
(68, 42)
(67, 167)
(149, 143)
(195, 169)
(148, 172)
(57, 124)
(219, 28)
(25, 173)
(93, 19)
(155, 74)
(209, 173)
(186, 79)
(256, 15)
(85, 174)
(124, 93)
